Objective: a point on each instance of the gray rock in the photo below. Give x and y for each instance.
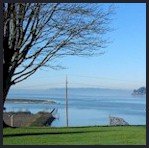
(117, 121)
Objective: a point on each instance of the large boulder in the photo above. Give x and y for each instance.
(117, 121)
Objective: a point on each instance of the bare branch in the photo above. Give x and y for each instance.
(35, 34)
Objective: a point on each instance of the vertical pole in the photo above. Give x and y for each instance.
(11, 118)
(66, 103)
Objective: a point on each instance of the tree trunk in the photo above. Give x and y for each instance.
(6, 73)
(5, 92)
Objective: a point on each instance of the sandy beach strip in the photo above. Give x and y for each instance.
(33, 101)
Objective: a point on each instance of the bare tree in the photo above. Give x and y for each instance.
(34, 34)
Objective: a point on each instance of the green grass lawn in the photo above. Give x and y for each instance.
(96, 135)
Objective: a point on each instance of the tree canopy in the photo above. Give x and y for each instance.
(35, 34)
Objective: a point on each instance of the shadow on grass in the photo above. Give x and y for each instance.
(49, 133)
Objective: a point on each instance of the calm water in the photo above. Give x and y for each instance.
(86, 106)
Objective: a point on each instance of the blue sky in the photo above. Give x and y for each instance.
(123, 66)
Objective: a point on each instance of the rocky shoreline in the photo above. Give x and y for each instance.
(27, 119)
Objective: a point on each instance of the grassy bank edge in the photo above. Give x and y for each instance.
(86, 135)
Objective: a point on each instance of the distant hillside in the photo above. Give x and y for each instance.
(140, 91)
